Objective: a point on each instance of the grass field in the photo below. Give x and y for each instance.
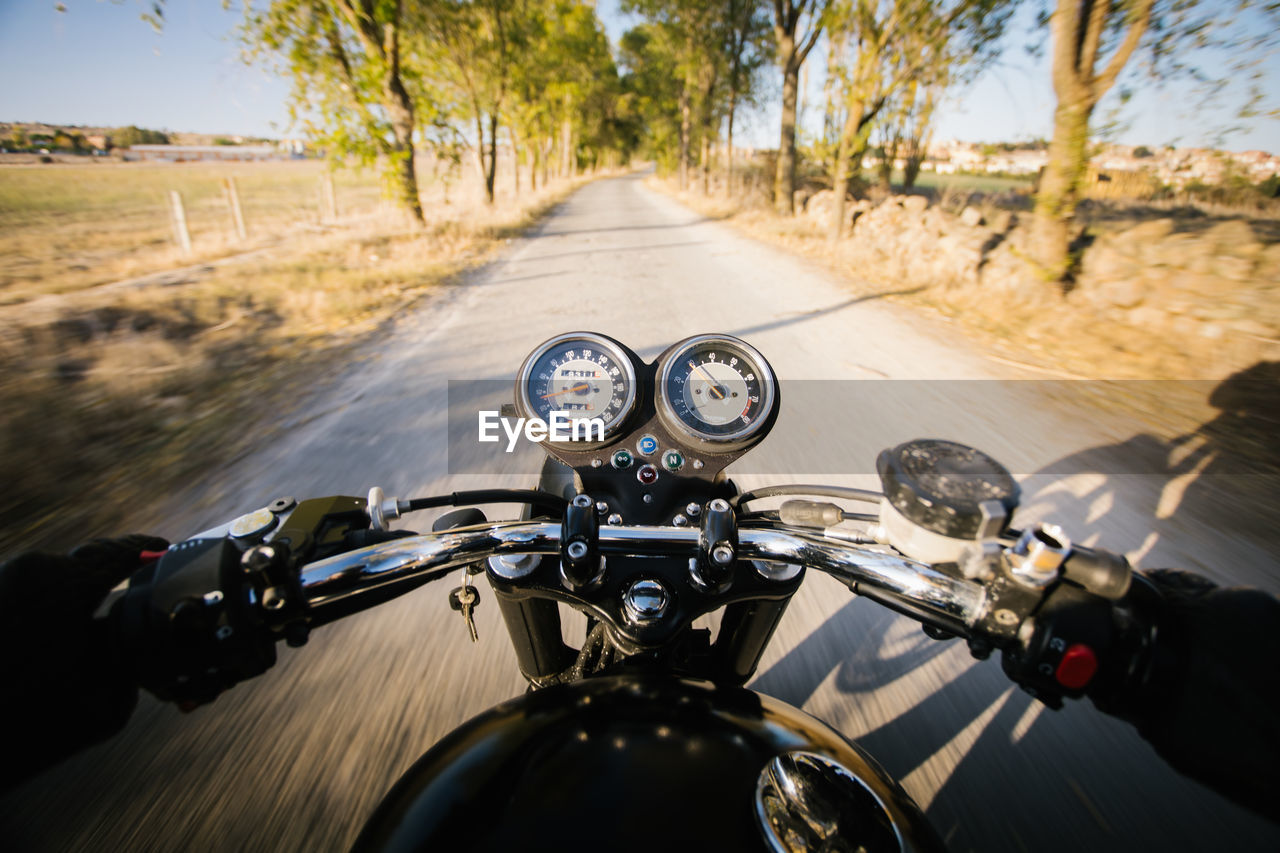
(64, 227)
(966, 183)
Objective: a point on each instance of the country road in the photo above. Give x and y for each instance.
(297, 760)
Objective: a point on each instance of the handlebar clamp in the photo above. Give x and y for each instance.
(580, 560)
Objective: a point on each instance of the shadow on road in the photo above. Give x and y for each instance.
(1219, 482)
(612, 249)
(803, 316)
(1002, 775)
(698, 220)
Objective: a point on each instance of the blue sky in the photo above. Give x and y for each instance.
(98, 63)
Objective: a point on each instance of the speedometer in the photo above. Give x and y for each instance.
(716, 390)
(580, 376)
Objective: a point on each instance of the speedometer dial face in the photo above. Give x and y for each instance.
(579, 376)
(717, 390)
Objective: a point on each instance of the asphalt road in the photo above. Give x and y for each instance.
(299, 758)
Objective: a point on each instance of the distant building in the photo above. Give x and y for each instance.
(201, 153)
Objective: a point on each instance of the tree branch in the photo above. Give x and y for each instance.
(362, 22)
(1105, 80)
(1087, 52)
(344, 65)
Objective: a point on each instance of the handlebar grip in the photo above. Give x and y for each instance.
(1100, 572)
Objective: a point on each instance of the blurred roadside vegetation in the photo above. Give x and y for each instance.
(112, 396)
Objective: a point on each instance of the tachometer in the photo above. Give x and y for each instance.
(717, 390)
(582, 375)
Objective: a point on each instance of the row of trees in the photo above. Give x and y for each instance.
(375, 79)
(889, 63)
(73, 141)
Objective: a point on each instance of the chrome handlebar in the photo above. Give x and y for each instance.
(337, 585)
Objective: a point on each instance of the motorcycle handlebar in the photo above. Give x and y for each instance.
(349, 582)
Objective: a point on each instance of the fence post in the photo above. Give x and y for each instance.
(180, 233)
(328, 201)
(233, 201)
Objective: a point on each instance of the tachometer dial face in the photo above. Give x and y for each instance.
(716, 389)
(581, 375)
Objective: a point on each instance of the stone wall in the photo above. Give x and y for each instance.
(1193, 282)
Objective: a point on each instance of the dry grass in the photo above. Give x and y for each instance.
(1058, 342)
(111, 394)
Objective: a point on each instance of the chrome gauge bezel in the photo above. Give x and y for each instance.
(615, 351)
(716, 442)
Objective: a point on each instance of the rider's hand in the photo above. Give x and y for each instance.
(60, 687)
(1208, 693)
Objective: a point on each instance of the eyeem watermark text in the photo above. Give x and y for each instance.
(563, 426)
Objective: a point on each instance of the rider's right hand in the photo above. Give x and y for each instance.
(1191, 665)
(1205, 688)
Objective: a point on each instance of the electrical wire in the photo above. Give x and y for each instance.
(533, 497)
(864, 495)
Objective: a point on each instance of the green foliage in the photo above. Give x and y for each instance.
(689, 68)
(1142, 151)
(123, 137)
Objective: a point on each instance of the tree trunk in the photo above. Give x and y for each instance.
(784, 181)
(1060, 186)
(532, 150)
(885, 169)
(492, 174)
(706, 163)
(911, 170)
(853, 144)
(566, 139)
(400, 109)
(515, 156)
(733, 106)
(684, 136)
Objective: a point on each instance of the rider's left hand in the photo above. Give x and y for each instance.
(61, 689)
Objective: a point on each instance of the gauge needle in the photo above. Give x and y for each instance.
(710, 381)
(572, 390)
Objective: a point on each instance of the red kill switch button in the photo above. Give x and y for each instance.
(1077, 667)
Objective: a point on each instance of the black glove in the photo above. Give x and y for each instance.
(61, 689)
(1206, 689)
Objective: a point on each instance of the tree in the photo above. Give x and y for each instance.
(797, 24)
(888, 46)
(1092, 42)
(477, 43)
(697, 42)
(906, 130)
(652, 88)
(350, 88)
(123, 137)
(1142, 152)
(750, 48)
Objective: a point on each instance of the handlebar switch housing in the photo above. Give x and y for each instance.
(193, 624)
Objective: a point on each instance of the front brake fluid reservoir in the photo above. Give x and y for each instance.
(940, 497)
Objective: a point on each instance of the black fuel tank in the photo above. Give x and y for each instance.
(635, 763)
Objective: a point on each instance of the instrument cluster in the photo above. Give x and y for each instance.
(682, 418)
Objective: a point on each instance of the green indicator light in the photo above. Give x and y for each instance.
(622, 459)
(673, 460)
